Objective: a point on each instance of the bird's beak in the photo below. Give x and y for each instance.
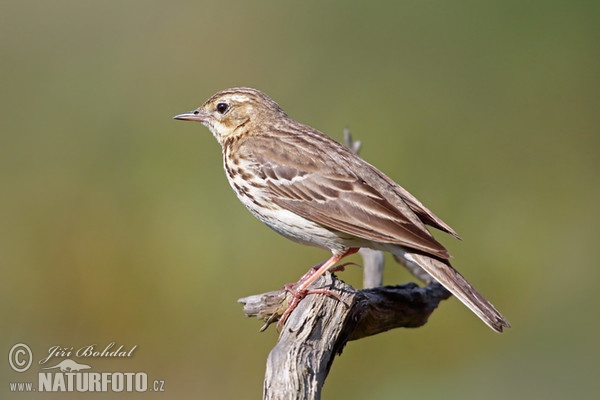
(192, 116)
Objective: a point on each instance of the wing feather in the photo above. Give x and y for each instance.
(342, 192)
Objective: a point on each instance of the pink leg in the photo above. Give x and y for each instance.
(308, 279)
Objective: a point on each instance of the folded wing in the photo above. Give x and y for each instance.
(342, 192)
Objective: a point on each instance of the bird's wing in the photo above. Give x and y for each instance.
(340, 191)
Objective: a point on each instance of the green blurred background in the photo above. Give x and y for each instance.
(117, 223)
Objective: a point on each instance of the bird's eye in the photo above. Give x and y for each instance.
(222, 108)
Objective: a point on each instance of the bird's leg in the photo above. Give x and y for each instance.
(316, 268)
(300, 288)
(290, 287)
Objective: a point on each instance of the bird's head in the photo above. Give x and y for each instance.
(234, 111)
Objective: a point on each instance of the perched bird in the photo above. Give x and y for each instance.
(315, 191)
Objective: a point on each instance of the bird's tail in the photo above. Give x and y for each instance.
(444, 273)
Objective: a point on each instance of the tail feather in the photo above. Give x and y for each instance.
(445, 274)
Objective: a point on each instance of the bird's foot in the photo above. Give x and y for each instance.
(300, 289)
(297, 295)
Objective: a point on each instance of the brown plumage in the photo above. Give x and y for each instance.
(315, 191)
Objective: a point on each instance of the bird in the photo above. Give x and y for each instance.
(316, 191)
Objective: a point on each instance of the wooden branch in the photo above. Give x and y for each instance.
(373, 263)
(318, 329)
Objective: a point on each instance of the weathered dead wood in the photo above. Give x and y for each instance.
(320, 326)
(372, 267)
